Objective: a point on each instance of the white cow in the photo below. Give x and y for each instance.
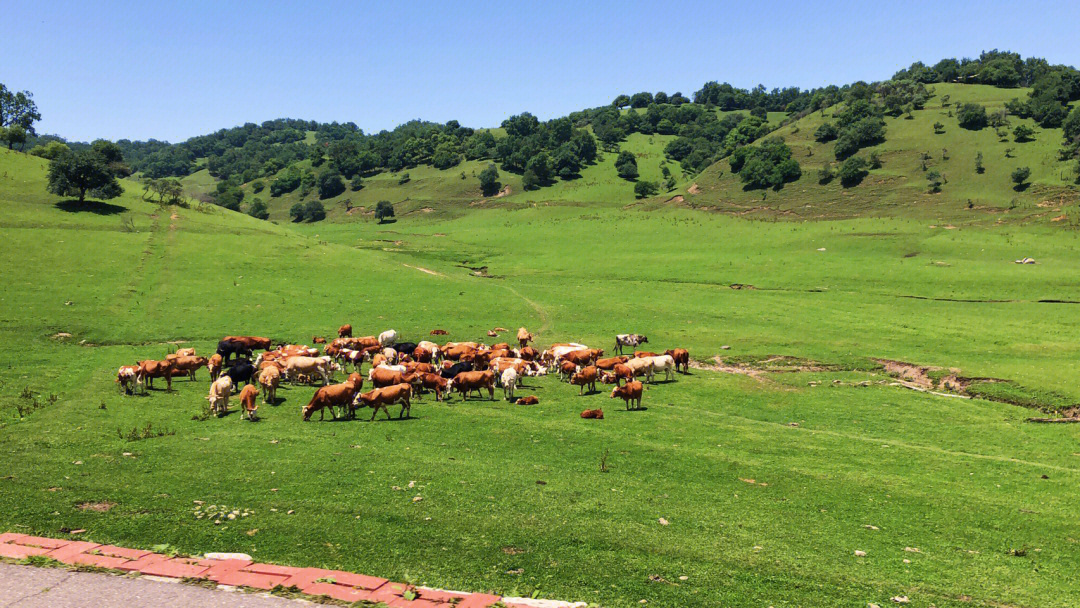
(323, 366)
(387, 337)
(219, 395)
(649, 366)
(509, 382)
(631, 340)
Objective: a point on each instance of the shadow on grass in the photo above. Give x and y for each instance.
(95, 207)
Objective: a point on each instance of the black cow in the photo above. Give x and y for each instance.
(242, 369)
(228, 348)
(455, 369)
(405, 348)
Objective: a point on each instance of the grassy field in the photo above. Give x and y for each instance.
(769, 483)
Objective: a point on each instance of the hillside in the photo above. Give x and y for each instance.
(900, 187)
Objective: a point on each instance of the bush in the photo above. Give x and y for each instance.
(767, 165)
(645, 188)
(404, 179)
(859, 134)
(314, 211)
(258, 209)
(489, 181)
(529, 181)
(296, 212)
(852, 171)
(939, 128)
(383, 210)
(1023, 133)
(626, 165)
(257, 186)
(50, 150)
(330, 184)
(826, 132)
(286, 182)
(1019, 176)
(356, 184)
(825, 175)
(979, 163)
(972, 116)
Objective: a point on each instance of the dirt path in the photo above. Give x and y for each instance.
(545, 322)
(421, 269)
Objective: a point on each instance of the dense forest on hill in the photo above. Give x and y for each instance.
(718, 121)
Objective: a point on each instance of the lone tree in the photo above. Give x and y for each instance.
(1020, 177)
(383, 210)
(645, 188)
(979, 163)
(1023, 133)
(81, 173)
(933, 179)
(18, 113)
(489, 181)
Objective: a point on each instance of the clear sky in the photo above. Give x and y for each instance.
(138, 70)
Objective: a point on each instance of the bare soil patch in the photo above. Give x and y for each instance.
(99, 507)
(694, 189)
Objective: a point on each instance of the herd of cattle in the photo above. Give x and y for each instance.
(400, 370)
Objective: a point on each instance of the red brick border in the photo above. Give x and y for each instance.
(346, 586)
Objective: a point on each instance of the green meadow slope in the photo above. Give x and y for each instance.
(769, 480)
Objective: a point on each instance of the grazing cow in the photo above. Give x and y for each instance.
(404, 348)
(593, 414)
(509, 382)
(609, 364)
(457, 351)
(567, 369)
(323, 366)
(622, 372)
(355, 358)
(586, 377)
(214, 366)
(269, 379)
(379, 359)
(382, 376)
(423, 355)
(241, 371)
(524, 337)
(127, 378)
(452, 370)
(649, 366)
(640, 354)
(380, 398)
(631, 340)
(228, 348)
(467, 382)
(252, 342)
(318, 340)
(530, 400)
(248, 407)
(556, 351)
(334, 395)
(345, 331)
(628, 393)
(528, 353)
(586, 356)
(438, 332)
(150, 369)
(188, 364)
(607, 377)
(387, 338)
(436, 383)
(419, 368)
(220, 390)
(681, 357)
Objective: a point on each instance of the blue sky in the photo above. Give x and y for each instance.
(135, 70)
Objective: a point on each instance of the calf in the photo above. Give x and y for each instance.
(681, 356)
(220, 390)
(334, 395)
(248, 407)
(630, 340)
(241, 371)
(567, 369)
(466, 382)
(269, 379)
(380, 398)
(127, 379)
(586, 377)
(622, 372)
(509, 382)
(594, 414)
(345, 331)
(438, 332)
(214, 366)
(181, 352)
(530, 400)
(628, 393)
(318, 340)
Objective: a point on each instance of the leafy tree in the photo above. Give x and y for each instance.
(14, 134)
(489, 180)
(979, 163)
(641, 100)
(859, 134)
(540, 165)
(626, 165)
(645, 188)
(933, 180)
(1020, 176)
(356, 184)
(875, 160)
(330, 184)
(168, 190)
(1023, 133)
(286, 182)
(1071, 126)
(669, 184)
(17, 109)
(404, 179)
(972, 116)
(660, 97)
(258, 209)
(621, 101)
(257, 186)
(939, 128)
(80, 173)
(383, 210)
(314, 211)
(852, 172)
(529, 181)
(446, 155)
(50, 150)
(296, 212)
(766, 165)
(228, 195)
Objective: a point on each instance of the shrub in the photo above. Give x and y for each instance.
(933, 179)
(979, 163)
(286, 182)
(1019, 176)
(645, 188)
(357, 183)
(296, 212)
(257, 186)
(852, 171)
(626, 165)
(383, 210)
(1023, 133)
(50, 150)
(972, 116)
(330, 184)
(258, 209)
(825, 174)
(939, 128)
(766, 165)
(314, 211)
(826, 132)
(489, 181)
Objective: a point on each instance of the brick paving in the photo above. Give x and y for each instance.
(340, 585)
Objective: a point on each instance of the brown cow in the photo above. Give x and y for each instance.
(345, 331)
(623, 372)
(567, 369)
(609, 364)
(585, 356)
(643, 353)
(413, 367)
(529, 353)
(530, 400)
(150, 369)
(681, 357)
(438, 332)
(334, 395)
(380, 377)
(500, 346)
(269, 379)
(436, 383)
(467, 382)
(318, 340)
(188, 364)
(380, 398)
(248, 407)
(595, 414)
(586, 377)
(251, 342)
(628, 393)
(214, 365)
(181, 352)
(458, 351)
(523, 337)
